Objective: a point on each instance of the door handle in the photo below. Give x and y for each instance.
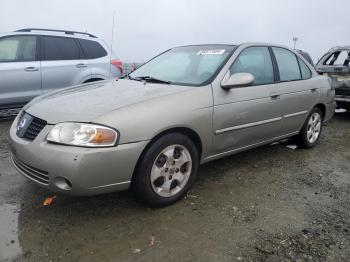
(313, 90)
(31, 69)
(81, 65)
(275, 97)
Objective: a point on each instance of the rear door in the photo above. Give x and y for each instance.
(98, 60)
(297, 90)
(20, 79)
(63, 63)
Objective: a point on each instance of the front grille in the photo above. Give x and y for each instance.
(29, 126)
(32, 173)
(34, 128)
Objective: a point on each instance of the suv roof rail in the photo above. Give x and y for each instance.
(54, 30)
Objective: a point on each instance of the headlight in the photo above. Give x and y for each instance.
(80, 134)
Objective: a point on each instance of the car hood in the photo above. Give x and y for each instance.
(87, 102)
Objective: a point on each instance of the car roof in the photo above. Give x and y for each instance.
(247, 44)
(306, 55)
(244, 44)
(339, 48)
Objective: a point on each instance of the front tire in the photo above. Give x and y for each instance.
(311, 131)
(167, 170)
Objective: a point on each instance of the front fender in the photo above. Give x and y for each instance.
(145, 120)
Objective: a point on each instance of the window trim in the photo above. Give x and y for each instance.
(276, 71)
(38, 48)
(301, 73)
(42, 44)
(273, 67)
(36, 51)
(81, 49)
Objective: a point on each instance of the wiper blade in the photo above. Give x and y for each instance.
(129, 77)
(134, 78)
(151, 79)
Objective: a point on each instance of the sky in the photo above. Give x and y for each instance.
(144, 28)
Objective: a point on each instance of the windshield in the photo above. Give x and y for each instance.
(189, 65)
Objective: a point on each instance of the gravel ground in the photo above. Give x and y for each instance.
(268, 204)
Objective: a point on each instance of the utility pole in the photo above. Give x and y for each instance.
(110, 58)
(295, 39)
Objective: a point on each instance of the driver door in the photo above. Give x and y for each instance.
(247, 116)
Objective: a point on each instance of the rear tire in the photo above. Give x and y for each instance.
(166, 171)
(311, 131)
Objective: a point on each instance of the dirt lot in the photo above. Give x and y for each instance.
(268, 204)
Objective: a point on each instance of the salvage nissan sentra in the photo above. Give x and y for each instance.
(151, 129)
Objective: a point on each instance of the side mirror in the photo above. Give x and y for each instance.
(237, 80)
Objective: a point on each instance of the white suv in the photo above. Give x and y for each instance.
(35, 61)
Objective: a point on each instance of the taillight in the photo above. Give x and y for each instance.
(118, 64)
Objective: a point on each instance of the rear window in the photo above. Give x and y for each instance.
(60, 48)
(305, 71)
(92, 49)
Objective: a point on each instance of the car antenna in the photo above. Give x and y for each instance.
(110, 59)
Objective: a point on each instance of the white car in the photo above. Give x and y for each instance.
(35, 61)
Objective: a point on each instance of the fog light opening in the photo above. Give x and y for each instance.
(63, 183)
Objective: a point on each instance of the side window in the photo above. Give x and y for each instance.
(305, 71)
(92, 49)
(287, 64)
(60, 48)
(256, 61)
(18, 49)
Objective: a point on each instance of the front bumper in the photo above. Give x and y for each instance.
(89, 171)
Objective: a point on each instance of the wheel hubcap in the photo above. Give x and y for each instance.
(314, 128)
(171, 170)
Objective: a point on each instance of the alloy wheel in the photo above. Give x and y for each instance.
(314, 127)
(171, 170)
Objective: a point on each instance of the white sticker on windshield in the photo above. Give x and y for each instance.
(211, 52)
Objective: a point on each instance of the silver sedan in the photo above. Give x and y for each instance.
(152, 129)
